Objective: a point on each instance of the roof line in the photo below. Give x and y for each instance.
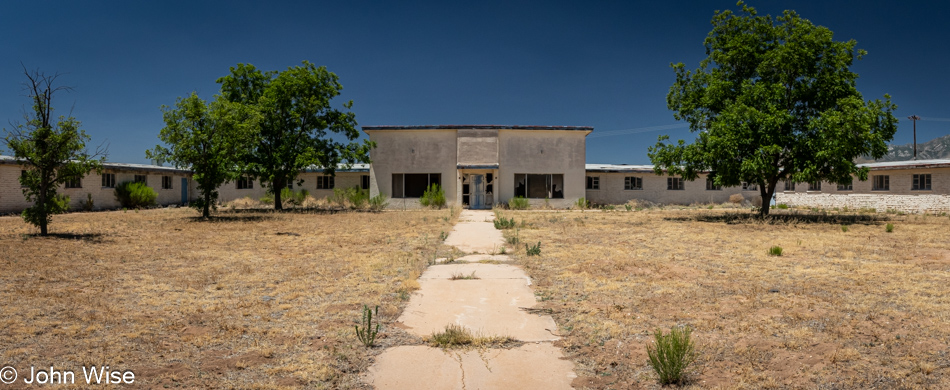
(478, 127)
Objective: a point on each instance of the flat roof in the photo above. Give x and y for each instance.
(477, 127)
(115, 166)
(618, 168)
(909, 164)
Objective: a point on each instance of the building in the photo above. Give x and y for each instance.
(479, 166)
(918, 186)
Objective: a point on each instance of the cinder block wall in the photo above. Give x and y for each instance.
(900, 195)
(655, 190)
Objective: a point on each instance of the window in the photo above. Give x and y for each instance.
(789, 185)
(245, 183)
(674, 183)
(539, 186)
(632, 183)
(921, 182)
(324, 182)
(750, 186)
(711, 186)
(593, 182)
(74, 183)
(881, 183)
(166, 182)
(413, 185)
(140, 178)
(364, 182)
(814, 186)
(108, 180)
(845, 187)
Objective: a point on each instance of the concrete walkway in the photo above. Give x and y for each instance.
(491, 304)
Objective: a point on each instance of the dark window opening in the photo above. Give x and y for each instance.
(74, 183)
(674, 183)
(921, 182)
(881, 183)
(245, 183)
(593, 182)
(325, 182)
(711, 186)
(414, 185)
(108, 180)
(166, 182)
(633, 183)
(364, 182)
(539, 186)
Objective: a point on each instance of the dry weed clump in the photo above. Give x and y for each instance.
(245, 300)
(858, 310)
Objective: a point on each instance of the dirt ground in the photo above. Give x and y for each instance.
(841, 308)
(248, 300)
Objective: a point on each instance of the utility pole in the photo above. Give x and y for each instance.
(915, 118)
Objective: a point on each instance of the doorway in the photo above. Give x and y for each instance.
(477, 191)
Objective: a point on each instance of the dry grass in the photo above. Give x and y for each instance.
(838, 310)
(457, 336)
(249, 300)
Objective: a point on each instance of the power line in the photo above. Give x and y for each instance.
(610, 133)
(927, 118)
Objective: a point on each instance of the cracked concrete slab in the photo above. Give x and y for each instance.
(531, 366)
(476, 258)
(470, 234)
(492, 305)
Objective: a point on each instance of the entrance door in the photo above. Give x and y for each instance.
(478, 191)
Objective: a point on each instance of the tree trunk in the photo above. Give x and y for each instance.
(766, 191)
(277, 187)
(44, 229)
(206, 213)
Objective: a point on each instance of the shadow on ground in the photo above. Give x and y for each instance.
(785, 218)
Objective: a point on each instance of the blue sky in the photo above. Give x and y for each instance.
(600, 64)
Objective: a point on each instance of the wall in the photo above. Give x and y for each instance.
(655, 190)
(542, 151)
(900, 196)
(413, 151)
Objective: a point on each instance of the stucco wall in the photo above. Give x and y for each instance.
(900, 196)
(655, 190)
(542, 152)
(13, 201)
(413, 151)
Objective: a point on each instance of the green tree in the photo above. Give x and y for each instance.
(293, 119)
(774, 100)
(51, 153)
(210, 139)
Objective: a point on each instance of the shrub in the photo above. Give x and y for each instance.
(502, 223)
(367, 335)
(268, 198)
(671, 355)
(775, 251)
(378, 202)
(433, 197)
(533, 250)
(782, 206)
(518, 203)
(844, 228)
(889, 227)
(513, 239)
(293, 198)
(736, 198)
(134, 195)
(353, 197)
(88, 205)
(582, 204)
(628, 206)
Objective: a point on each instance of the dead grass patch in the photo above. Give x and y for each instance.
(865, 309)
(456, 336)
(248, 299)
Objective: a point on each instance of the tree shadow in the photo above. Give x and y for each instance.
(88, 237)
(776, 218)
(261, 214)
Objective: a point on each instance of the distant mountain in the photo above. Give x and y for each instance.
(937, 148)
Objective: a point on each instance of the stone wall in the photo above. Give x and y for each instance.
(923, 203)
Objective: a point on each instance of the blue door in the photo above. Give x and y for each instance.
(478, 192)
(184, 190)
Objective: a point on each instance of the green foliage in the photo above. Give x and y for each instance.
(502, 223)
(889, 228)
(367, 334)
(582, 204)
(353, 197)
(268, 197)
(291, 121)
(671, 355)
(775, 251)
(378, 202)
(534, 250)
(513, 238)
(782, 206)
(434, 196)
(629, 207)
(88, 204)
(518, 203)
(844, 228)
(51, 152)
(774, 100)
(294, 198)
(135, 195)
(208, 139)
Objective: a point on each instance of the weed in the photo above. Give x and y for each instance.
(368, 334)
(782, 206)
(293, 198)
(736, 198)
(775, 251)
(458, 336)
(672, 355)
(135, 195)
(513, 239)
(533, 250)
(443, 236)
(889, 228)
(518, 203)
(378, 202)
(503, 251)
(502, 223)
(434, 196)
(629, 207)
(88, 205)
(582, 204)
(844, 228)
(461, 276)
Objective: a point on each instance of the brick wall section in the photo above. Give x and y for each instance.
(899, 196)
